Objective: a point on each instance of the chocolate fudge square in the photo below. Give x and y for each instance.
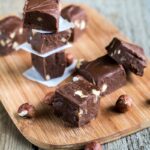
(42, 14)
(105, 73)
(47, 42)
(77, 102)
(129, 55)
(50, 67)
(76, 15)
(12, 34)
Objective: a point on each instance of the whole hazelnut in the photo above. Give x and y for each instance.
(123, 103)
(69, 58)
(48, 98)
(93, 146)
(26, 111)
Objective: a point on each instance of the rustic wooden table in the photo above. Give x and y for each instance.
(132, 18)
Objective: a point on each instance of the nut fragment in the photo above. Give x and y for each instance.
(75, 79)
(123, 59)
(104, 88)
(112, 54)
(82, 25)
(48, 77)
(119, 52)
(39, 19)
(79, 63)
(21, 31)
(48, 98)
(123, 103)
(15, 44)
(93, 146)
(80, 93)
(12, 35)
(34, 32)
(64, 40)
(26, 111)
(97, 94)
(69, 31)
(69, 58)
(2, 43)
(77, 23)
(80, 112)
(30, 38)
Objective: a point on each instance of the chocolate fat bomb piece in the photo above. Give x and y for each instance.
(47, 42)
(42, 14)
(129, 55)
(12, 34)
(77, 102)
(76, 15)
(50, 67)
(105, 73)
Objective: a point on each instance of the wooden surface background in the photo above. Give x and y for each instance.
(132, 17)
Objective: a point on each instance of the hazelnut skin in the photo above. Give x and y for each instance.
(69, 58)
(26, 111)
(93, 146)
(123, 103)
(48, 99)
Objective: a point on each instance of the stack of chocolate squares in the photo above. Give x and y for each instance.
(48, 39)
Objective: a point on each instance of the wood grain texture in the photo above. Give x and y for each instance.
(118, 12)
(46, 130)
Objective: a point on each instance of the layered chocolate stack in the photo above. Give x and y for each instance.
(49, 37)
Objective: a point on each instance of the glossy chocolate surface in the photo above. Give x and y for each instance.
(105, 73)
(50, 67)
(42, 14)
(47, 42)
(129, 55)
(77, 102)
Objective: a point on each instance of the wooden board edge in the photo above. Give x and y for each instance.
(102, 140)
(80, 145)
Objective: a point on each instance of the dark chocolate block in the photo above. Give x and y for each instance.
(12, 34)
(76, 15)
(77, 102)
(129, 55)
(50, 67)
(42, 14)
(105, 73)
(47, 42)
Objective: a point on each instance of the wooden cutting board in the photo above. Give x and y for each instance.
(47, 131)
